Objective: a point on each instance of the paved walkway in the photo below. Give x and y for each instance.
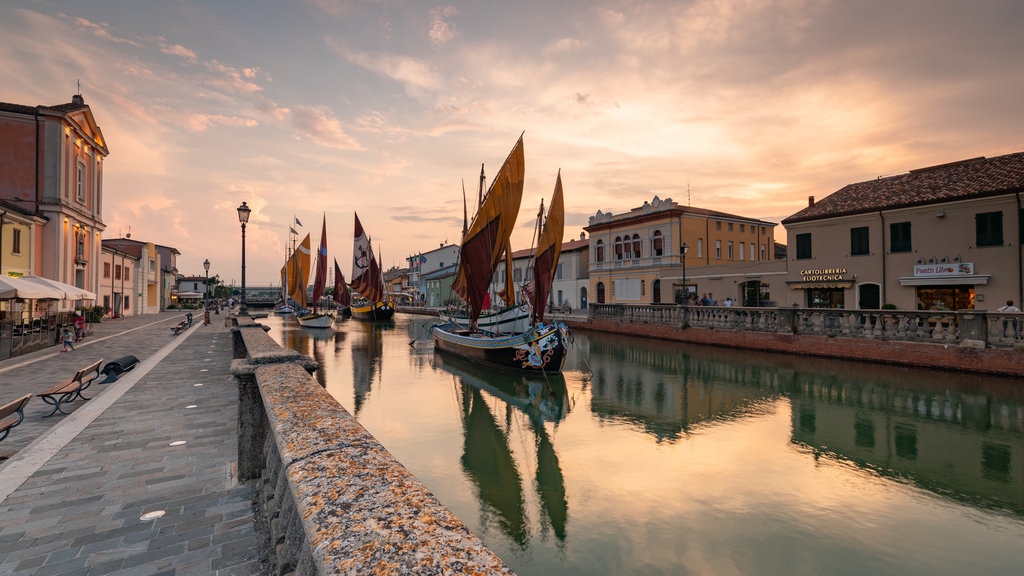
(140, 478)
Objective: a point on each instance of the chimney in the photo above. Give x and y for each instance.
(810, 201)
(583, 235)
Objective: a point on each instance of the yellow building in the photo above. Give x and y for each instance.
(637, 257)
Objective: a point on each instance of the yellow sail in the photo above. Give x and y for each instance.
(549, 247)
(488, 236)
(298, 272)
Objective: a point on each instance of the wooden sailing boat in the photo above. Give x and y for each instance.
(315, 318)
(294, 275)
(368, 281)
(540, 348)
(342, 299)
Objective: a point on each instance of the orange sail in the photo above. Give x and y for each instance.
(488, 237)
(549, 247)
(298, 272)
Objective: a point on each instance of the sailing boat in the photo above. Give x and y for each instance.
(316, 319)
(512, 318)
(540, 348)
(368, 281)
(293, 277)
(342, 299)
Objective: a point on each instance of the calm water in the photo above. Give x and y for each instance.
(661, 458)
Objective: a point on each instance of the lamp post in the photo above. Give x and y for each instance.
(206, 285)
(686, 291)
(243, 217)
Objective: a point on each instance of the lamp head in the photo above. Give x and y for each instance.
(243, 213)
(684, 248)
(206, 264)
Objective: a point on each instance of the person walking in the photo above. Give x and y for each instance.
(69, 341)
(79, 326)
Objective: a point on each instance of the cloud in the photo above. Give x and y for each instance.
(179, 50)
(441, 30)
(237, 80)
(321, 127)
(101, 31)
(200, 122)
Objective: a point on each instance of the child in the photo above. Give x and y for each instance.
(68, 341)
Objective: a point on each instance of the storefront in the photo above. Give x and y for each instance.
(823, 287)
(945, 286)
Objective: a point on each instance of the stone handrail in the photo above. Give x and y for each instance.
(333, 499)
(966, 327)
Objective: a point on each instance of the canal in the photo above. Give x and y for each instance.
(651, 457)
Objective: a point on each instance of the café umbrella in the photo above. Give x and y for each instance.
(11, 287)
(68, 292)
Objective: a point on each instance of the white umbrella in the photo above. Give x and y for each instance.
(11, 287)
(67, 291)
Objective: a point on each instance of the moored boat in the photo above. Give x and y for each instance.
(485, 244)
(368, 280)
(316, 318)
(511, 319)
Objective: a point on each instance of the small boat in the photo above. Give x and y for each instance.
(315, 318)
(283, 309)
(368, 281)
(293, 280)
(485, 244)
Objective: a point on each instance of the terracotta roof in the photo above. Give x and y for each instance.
(973, 178)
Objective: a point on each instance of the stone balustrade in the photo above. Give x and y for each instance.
(332, 499)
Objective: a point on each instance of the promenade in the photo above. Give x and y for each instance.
(140, 478)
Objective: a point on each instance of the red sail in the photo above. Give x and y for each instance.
(341, 295)
(321, 267)
(549, 247)
(366, 278)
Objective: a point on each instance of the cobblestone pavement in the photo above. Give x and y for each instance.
(77, 492)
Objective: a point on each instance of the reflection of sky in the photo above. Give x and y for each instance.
(303, 107)
(732, 496)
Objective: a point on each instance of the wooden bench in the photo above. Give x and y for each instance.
(70, 389)
(7, 412)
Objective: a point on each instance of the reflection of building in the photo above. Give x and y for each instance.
(52, 170)
(962, 444)
(944, 237)
(636, 257)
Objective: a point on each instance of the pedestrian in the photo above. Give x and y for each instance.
(79, 326)
(728, 301)
(69, 343)
(1016, 323)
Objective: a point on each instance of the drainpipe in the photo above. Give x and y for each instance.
(1020, 255)
(881, 216)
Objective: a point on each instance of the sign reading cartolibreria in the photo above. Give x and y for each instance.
(823, 274)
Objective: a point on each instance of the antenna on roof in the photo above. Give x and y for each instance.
(78, 81)
(688, 203)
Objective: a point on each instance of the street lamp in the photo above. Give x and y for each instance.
(243, 217)
(206, 286)
(686, 291)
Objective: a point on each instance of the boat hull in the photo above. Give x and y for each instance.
(512, 320)
(378, 312)
(316, 321)
(537, 350)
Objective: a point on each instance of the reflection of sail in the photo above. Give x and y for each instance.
(541, 400)
(488, 462)
(366, 354)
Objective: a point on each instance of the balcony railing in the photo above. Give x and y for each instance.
(979, 328)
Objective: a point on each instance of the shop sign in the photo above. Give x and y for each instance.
(822, 274)
(944, 269)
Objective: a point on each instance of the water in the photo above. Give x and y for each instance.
(649, 457)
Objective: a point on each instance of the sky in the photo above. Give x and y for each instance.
(320, 109)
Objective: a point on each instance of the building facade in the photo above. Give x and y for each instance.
(52, 168)
(120, 292)
(637, 257)
(942, 237)
(157, 275)
(426, 263)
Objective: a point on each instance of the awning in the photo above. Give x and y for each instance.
(11, 287)
(190, 295)
(973, 279)
(68, 292)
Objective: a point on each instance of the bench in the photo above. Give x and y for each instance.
(70, 389)
(7, 412)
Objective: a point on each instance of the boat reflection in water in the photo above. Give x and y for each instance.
(487, 458)
(367, 349)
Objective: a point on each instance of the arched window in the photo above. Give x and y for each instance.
(637, 252)
(600, 292)
(657, 244)
(600, 251)
(618, 248)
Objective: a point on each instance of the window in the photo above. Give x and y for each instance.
(752, 251)
(600, 251)
(126, 270)
(636, 246)
(764, 253)
(700, 247)
(117, 272)
(741, 250)
(743, 227)
(658, 244)
(558, 275)
(106, 269)
(729, 247)
(989, 229)
(730, 226)
(126, 300)
(859, 241)
(16, 243)
(899, 237)
(618, 248)
(803, 246)
(80, 182)
(718, 249)
(718, 225)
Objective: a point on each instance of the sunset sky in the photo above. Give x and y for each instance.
(388, 108)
